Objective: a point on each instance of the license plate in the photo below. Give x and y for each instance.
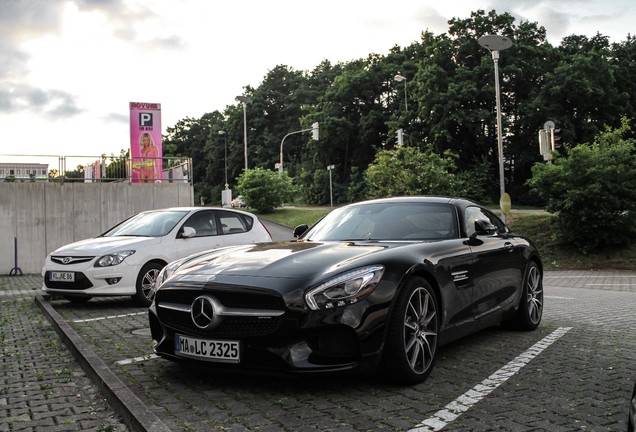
(63, 276)
(206, 349)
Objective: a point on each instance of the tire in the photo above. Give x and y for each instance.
(145, 282)
(530, 309)
(76, 299)
(411, 344)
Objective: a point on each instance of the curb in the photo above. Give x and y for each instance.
(133, 411)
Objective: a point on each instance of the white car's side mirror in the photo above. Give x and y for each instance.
(188, 232)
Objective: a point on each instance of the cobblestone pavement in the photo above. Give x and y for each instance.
(581, 381)
(42, 386)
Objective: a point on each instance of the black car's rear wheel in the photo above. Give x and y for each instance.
(411, 347)
(530, 310)
(145, 282)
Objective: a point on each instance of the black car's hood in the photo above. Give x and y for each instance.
(283, 260)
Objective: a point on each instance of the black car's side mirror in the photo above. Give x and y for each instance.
(484, 227)
(300, 230)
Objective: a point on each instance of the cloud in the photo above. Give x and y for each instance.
(22, 21)
(117, 118)
(18, 97)
(431, 20)
(26, 19)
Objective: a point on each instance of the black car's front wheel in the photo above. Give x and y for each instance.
(412, 337)
(145, 283)
(530, 309)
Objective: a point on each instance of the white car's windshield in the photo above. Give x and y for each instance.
(149, 224)
(390, 221)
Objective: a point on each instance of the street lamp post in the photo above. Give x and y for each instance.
(329, 168)
(494, 44)
(315, 127)
(225, 135)
(400, 78)
(246, 100)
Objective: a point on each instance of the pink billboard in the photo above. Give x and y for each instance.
(145, 142)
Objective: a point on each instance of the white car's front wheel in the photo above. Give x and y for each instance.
(145, 283)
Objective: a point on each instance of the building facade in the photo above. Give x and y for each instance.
(23, 171)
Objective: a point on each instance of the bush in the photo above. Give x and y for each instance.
(593, 190)
(264, 190)
(410, 171)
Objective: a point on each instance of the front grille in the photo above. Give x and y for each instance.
(231, 299)
(81, 282)
(68, 260)
(231, 326)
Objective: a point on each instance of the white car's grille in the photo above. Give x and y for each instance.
(68, 260)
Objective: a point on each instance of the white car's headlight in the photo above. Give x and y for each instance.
(345, 289)
(113, 259)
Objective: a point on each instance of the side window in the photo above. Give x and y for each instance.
(233, 223)
(474, 214)
(203, 223)
(501, 227)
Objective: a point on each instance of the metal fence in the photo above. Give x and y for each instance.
(92, 169)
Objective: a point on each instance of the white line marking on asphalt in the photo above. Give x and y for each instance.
(560, 298)
(16, 292)
(463, 403)
(589, 276)
(611, 284)
(108, 317)
(136, 359)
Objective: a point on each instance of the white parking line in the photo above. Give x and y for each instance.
(108, 317)
(136, 359)
(14, 292)
(589, 276)
(560, 298)
(463, 403)
(611, 284)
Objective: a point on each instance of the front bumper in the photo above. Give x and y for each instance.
(90, 281)
(296, 341)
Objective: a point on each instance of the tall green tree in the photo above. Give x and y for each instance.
(580, 92)
(189, 138)
(580, 85)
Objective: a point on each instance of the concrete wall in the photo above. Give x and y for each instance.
(44, 216)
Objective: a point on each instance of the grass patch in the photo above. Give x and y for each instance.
(294, 216)
(539, 227)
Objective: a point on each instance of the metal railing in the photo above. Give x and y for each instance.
(94, 169)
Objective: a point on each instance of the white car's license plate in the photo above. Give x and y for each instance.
(206, 349)
(63, 276)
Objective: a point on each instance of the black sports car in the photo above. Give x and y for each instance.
(377, 284)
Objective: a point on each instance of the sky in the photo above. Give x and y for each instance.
(69, 68)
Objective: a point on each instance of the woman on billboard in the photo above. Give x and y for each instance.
(149, 153)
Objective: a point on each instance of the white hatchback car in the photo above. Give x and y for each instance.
(126, 259)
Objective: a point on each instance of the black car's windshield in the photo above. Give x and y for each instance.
(149, 224)
(387, 221)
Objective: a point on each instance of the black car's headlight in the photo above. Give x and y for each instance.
(344, 289)
(165, 274)
(113, 259)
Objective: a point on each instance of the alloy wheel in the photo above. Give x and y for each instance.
(420, 330)
(534, 293)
